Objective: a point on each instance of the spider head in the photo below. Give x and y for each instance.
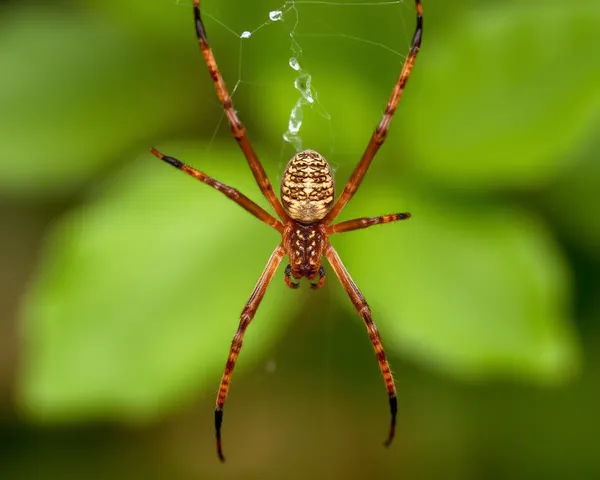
(307, 187)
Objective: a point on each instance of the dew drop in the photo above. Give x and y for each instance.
(294, 125)
(276, 15)
(302, 84)
(294, 63)
(246, 34)
(296, 118)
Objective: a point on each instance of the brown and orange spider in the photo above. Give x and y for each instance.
(306, 213)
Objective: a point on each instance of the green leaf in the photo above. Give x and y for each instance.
(139, 294)
(571, 203)
(76, 93)
(475, 293)
(505, 94)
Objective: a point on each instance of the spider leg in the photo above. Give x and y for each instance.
(237, 128)
(246, 317)
(288, 278)
(365, 312)
(238, 197)
(381, 131)
(321, 282)
(366, 222)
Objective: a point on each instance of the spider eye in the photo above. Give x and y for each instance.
(307, 187)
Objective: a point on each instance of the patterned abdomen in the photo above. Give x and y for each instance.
(307, 187)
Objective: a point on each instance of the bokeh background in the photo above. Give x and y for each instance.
(121, 279)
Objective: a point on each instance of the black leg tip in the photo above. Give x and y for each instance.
(393, 412)
(173, 161)
(394, 407)
(200, 30)
(170, 160)
(218, 423)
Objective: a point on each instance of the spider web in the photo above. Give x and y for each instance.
(290, 16)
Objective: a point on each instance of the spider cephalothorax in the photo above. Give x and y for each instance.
(305, 248)
(306, 214)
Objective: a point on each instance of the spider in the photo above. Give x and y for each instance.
(306, 214)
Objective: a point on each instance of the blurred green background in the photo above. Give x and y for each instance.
(122, 280)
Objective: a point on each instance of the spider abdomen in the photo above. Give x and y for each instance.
(307, 187)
